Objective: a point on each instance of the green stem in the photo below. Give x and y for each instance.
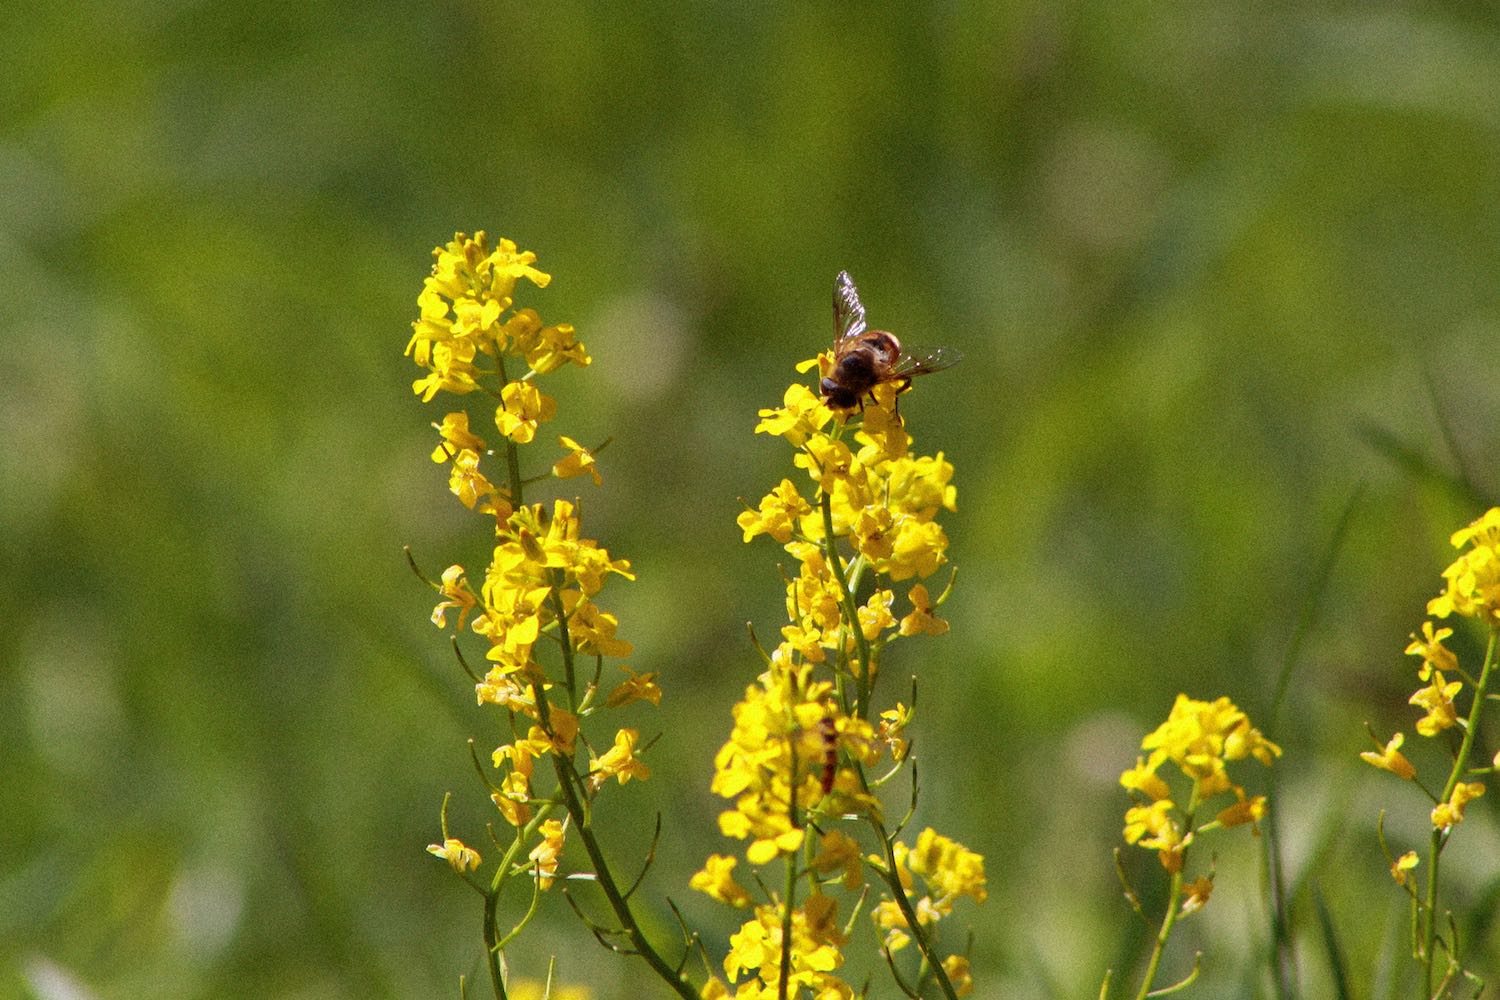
(862, 678)
(1167, 921)
(492, 897)
(567, 780)
(1460, 765)
(784, 973)
(492, 944)
(563, 637)
(512, 459)
(892, 877)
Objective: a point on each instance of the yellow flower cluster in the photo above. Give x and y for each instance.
(881, 498)
(756, 949)
(863, 517)
(1473, 580)
(776, 764)
(467, 316)
(1201, 739)
(948, 870)
(1471, 589)
(544, 574)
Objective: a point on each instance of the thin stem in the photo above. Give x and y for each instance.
(892, 877)
(1160, 947)
(784, 973)
(563, 637)
(512, 459)
(1174, 893)
(492, 943)
(567, 780)
(862, 677)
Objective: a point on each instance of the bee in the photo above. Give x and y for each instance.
(864, 358)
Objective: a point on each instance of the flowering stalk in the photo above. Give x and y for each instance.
(807, 732)
(1440, 835)
(1471, 590)
(1200, 739)
(540, 586)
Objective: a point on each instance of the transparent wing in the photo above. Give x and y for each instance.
(848, 311)
(923, 362)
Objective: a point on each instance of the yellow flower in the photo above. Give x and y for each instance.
(1154, 827)
(456, 437)
(893, 723)
(838, 851)
(1446, 815)
(917, 550)
(544, 856)
(500, 687)
(922, 620)
(1435, 656)
(1437, 699)
(454, 851)
(1473, 580)
(1391, 758)
(552, 347)
(959, 974)
(466, 481)
(1402, 865)
(875, 616)
(523, 407)
(778, 514)
(814, 950)
(456, 594)
(521, 754)
(889, 918)
(578, 462)
(872, 532)
(1197, 893)
(593, 631)
(564, 730)
(717, 880)
(828, 461)
(948, 867)
(636, 687)
(1143, 778)
(513, 798)
(800, 415)
(618, 762)
(1245, 810)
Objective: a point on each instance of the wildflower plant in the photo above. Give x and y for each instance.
(812, 749)
(534, 611)
(1451, 699)
(1177, 805)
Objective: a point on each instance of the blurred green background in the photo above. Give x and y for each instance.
(1214, 267)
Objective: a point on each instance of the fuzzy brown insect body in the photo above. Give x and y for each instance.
(864, 358)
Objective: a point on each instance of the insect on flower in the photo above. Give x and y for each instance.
(864, 358)
(828, 730)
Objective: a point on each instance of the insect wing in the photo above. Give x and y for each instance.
(920, 362)
(848, 311)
